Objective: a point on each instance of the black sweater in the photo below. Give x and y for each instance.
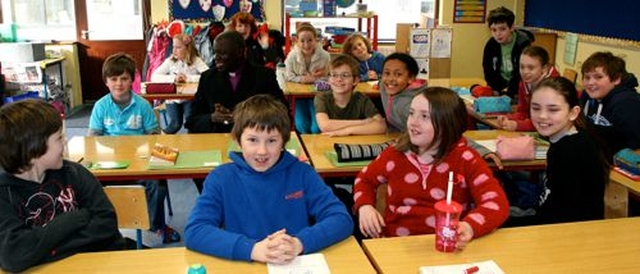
(66, 214)
(575, 181)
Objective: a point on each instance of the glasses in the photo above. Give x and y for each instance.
(344, 75)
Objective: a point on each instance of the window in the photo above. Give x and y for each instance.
(390, 12)
(41, 19)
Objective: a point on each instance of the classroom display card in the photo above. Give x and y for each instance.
(419, 43)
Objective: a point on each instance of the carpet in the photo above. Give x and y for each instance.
(79, 117)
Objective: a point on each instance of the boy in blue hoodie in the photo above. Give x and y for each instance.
(265, 206)
(611, 102)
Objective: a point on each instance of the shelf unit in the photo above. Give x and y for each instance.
(371, 24)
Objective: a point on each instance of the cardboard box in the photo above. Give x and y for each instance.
(21, 52)
(402, 37)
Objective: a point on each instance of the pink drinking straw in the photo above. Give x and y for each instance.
(449, 191)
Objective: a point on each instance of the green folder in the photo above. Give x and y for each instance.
(333, 158)
(109, 165)
(194, 159)
(293, 146)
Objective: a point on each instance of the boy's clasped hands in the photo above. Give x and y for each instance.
(277, 248)
(371, 223)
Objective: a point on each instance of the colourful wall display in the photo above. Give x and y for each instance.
(214, 10)
(469, 11)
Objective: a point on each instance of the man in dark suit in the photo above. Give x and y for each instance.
(232, 80)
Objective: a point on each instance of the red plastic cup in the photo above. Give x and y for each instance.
(447, 218)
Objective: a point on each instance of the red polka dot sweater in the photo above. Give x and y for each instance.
(414, 188)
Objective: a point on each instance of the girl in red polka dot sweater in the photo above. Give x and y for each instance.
(416, 170)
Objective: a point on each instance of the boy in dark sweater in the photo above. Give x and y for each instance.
(50, 208)
(501, 57)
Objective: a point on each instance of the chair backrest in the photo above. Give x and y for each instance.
(381, 198)
(570, 74)
(130, 202)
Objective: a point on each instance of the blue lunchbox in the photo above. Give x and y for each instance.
(492, 104)
(628, 160)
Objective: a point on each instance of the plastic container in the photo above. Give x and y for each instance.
(447, 218)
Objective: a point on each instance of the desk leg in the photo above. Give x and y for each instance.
(292, 101)
(616, 201)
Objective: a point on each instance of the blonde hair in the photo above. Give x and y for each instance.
(187, 40)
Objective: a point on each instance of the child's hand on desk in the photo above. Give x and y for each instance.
(495, 158)
(371, 222)
(307, 79)
(318, 73)
(337, 133)
(506, 124)
(277, 248)
(180, 78)
(465, 234)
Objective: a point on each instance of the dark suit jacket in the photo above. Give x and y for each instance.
(215, 87)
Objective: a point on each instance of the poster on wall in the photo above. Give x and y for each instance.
(469, 11)
(214, 10)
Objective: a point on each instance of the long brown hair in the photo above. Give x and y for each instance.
(567, 90)
(449, 117)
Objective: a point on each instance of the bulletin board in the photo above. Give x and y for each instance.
(469, 11)
(618, 19)
(214, 10)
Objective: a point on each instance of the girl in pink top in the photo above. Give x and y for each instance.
(416, 170)
(534, 67)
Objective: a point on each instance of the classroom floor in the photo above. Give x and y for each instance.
(182, 191)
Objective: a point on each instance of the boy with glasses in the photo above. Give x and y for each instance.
(342, 111)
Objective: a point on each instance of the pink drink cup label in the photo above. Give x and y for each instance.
(447, 217)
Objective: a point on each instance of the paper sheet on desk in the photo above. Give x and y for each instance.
(485, 267)
(304, 264)
(489, 144)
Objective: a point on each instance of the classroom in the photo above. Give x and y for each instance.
(270, 136)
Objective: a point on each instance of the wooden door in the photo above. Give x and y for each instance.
(93, 17)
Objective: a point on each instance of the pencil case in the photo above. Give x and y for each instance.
(628, 160)
(515, 148)
(321, 85)
(358, 152)
(492, 104)
(160, 88)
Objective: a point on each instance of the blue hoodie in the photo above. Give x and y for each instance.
(240, 207)
(617, 116)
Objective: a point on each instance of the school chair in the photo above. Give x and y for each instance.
(130, 203)
(381, 198)
(570, 74)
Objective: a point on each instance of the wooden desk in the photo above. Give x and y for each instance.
(317, 146)
(616, 201)
(298, 90)
(344, 257)
(609, 246)
(508, 165)
(455, 82)
(184, 91)
(136, 150)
